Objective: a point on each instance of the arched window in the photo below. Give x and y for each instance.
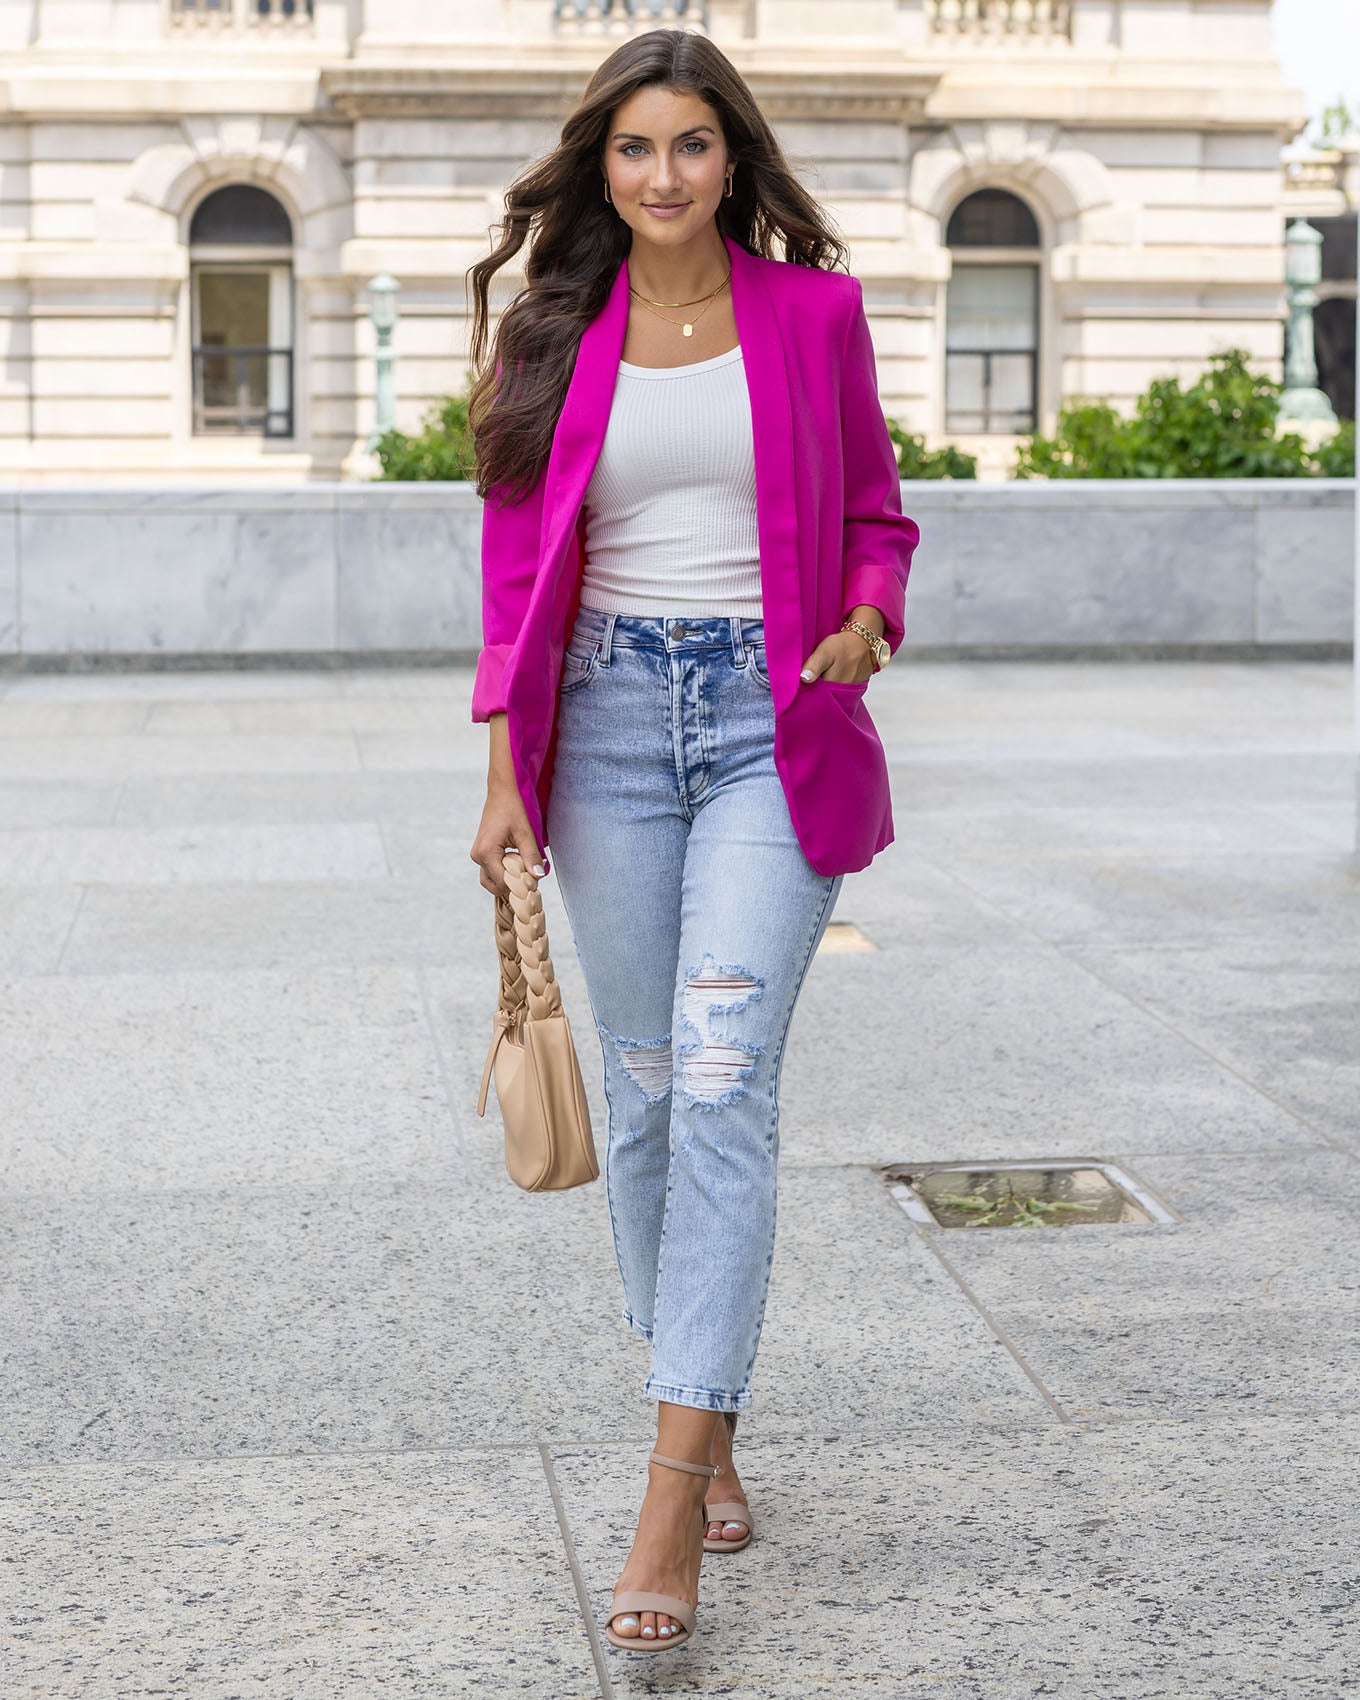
(241, 280)
(992, 315)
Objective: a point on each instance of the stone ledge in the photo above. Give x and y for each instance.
(343, 571)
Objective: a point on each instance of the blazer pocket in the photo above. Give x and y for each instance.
(847, 692)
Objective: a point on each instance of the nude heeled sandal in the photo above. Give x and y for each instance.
(728, 1511)
(635, 1600)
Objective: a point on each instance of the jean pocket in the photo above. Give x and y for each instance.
(578, 670)
(756, 665)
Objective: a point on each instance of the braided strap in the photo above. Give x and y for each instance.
(527, 978)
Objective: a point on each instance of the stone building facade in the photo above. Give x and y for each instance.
(1045, 199)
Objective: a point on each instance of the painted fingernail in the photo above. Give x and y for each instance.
(806, 674)
(538, 870)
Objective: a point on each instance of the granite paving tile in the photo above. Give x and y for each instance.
(1171, 900)
(1245, 1304)
(35, 924)
(289, 924)
(36, 717)
(1157, 1559)
(102, 757)
(207, 1323)
(249, 798)
(1283, 1014)
(392, 1573)
(1071, 1065)
(174, 1079)
(47, 803)
(297, 851)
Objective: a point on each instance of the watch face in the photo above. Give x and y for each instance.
(883, 653)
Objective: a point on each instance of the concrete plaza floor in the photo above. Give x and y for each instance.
(303, 1400)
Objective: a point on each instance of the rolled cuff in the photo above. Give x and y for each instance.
(488, 690)
(881, 588)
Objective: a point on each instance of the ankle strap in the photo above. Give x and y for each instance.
(680, 1464)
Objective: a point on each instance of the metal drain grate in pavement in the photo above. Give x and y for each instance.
(843, 937)
(1057, 1193)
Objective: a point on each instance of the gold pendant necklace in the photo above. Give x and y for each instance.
(686, 329)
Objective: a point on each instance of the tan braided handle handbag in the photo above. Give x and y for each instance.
(548, 1143)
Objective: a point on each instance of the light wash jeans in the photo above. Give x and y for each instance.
(695, 914)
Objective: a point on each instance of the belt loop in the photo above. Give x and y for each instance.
(738, 649)
(606, 639)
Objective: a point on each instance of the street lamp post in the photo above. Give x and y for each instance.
(382, 314)
(1302, 402)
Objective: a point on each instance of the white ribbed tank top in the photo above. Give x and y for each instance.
(670, 509)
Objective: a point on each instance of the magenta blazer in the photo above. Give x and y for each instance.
(831, 534)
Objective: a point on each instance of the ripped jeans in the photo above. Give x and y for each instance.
(695, 914)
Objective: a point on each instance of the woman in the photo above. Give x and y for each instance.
(693, 549)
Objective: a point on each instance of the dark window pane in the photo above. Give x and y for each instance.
(1334, 342)
(241, 215)
(1012, 396)
(992, 218)
(989, 391)
(1338, 246)
(992, 307)
(233, 309)
(243, 392)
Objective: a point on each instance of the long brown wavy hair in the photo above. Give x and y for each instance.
(579, 242)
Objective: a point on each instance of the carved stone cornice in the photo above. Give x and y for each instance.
(549, 89)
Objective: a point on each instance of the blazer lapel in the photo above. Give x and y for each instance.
(584, 420)
(767, 381)
(582, 423)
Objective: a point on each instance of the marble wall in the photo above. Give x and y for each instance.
(386, 569)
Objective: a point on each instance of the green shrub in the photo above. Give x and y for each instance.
(1225, 425)
(1092, 441)
(1336, 457)
(915, 460)
(442, 450)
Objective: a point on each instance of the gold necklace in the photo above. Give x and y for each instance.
(686, 329)
(694, 303)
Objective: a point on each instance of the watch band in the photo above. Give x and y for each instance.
(871, 638)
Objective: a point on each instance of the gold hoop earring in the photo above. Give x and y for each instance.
(727, 193)
(606, 192)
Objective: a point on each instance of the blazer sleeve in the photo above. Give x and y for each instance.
(879, 539)
(510, 538)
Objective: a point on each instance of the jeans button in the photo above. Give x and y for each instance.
(678, 630)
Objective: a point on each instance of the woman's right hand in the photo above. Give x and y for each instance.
(505, 821)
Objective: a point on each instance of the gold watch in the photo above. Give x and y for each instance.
(878, 647)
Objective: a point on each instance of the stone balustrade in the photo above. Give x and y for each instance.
(240, 14)
(1156, 565)
(625, 17)
(987, 21)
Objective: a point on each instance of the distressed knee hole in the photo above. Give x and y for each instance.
(714, 1069)
(648, 1064)
(714, 1074)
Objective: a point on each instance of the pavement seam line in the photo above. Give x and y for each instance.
(445, 1078)
(75, 916)
(876, 1434)
(577, 1575)
(1135, 1002)
(928, 1239)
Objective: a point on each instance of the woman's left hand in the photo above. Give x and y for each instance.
(843, 657)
